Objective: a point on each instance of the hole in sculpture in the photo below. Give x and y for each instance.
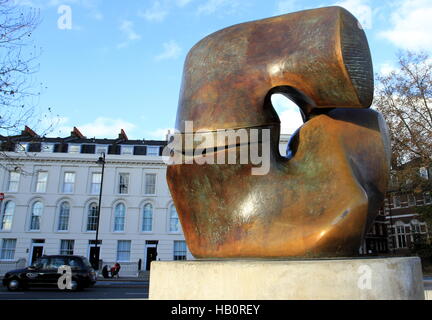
(290, 116)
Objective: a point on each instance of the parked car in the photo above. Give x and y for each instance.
(44, 272)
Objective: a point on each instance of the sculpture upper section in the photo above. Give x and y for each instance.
(322, 53)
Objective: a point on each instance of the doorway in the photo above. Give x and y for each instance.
(151, 253)
(37, 252)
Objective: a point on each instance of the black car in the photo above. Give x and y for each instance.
(45, 273)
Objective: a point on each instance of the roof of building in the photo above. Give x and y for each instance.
(28, 135)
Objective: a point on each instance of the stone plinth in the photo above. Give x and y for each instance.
(353, 279)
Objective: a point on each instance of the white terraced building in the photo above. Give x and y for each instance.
(51, 190)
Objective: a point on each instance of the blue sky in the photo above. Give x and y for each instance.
(120, 64)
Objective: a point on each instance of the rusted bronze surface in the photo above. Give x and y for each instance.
(321, 201)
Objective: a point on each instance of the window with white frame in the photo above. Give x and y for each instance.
(119, 217)
(67, 247)
(174, 220)
(396, 201)
(7, 216)
(92, 217)
(64, 213)
(14, 178)
(147, 218)
(424, 173)
(427, 197)
(401, 237)
(36, 214)
(8, 249)
(123, 183)
(41, 181)
(415, 226)
(153, 150)
(150, 183)
(69, 182)
(411, 200)
(180, 250)
(123, 250)
(96, 183)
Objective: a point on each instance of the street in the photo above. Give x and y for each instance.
(102, 290)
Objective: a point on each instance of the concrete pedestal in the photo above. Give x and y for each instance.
(352, 279)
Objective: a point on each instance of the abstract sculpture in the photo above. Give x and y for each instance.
(320, 200)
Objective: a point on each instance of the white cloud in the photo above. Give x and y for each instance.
(285, 6)
(386, 68)
(360, 9)
(160, 134)
(411, 25)
(211, 6)
(126, 27)
(171, 51)
(289, 113)
(101, 127)
(156, 13)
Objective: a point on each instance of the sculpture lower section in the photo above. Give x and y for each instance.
(332, 279)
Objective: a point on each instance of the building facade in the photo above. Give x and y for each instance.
(51, 190)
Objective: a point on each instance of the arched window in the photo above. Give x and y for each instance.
(92, 217)
(147, 217)
(7, 216)
(174, 220)
(119, 217)
(36, 215)
(63, 221)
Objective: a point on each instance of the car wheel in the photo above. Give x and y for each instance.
(76, 286)
(14, 285)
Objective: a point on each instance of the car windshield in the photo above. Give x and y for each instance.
(86, 262)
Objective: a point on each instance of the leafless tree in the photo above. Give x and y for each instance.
(404, 97)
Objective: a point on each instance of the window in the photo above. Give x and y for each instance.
(424, 173)
(114, 149)
(153, 150)
(41, 183)
(34, 147)
(88, 148)
(427, 197)
(411, 200)
(92, 217)
(147, 218)
(123, 250)
(63, 221)
(8, 249)
(179, 250)
(61, 148)
(140, 150)
(401, 237)
(96, 183)
(36, 215)
(69, 182)
(7, 216)
(396, 201)
(415, 226)
(150, 183)
(119, 217)
(174, 220)
(67, 247)
(14, 178)
(123, 183)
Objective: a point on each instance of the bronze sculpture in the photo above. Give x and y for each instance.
(319, 201)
